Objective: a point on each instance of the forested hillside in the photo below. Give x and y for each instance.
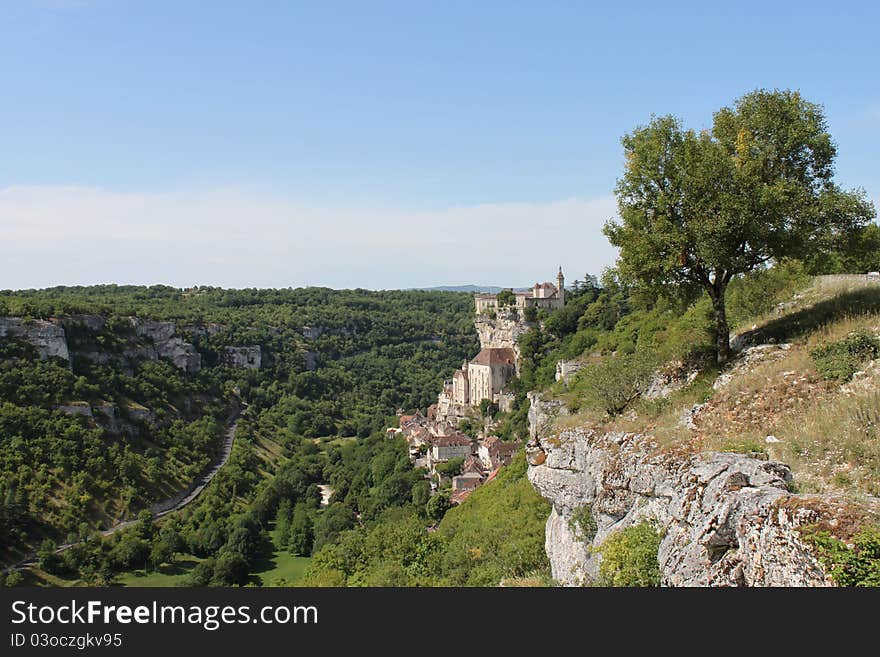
(131, 406)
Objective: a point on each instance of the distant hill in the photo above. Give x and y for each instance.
(485, 289)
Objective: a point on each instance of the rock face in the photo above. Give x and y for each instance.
(312, 332)
(48, 339)
(501, 332)
(166, 345)
(247, 357)
(727, 519)
(566, 369)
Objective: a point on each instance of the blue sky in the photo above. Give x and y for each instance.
(374, 144)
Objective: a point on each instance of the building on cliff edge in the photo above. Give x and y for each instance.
(541, 295)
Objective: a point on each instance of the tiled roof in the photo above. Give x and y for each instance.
(453, 440)
(498, 356)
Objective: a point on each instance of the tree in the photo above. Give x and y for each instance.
(700, 209)
(302, 534)
(335, 519)
(450, 468)
(438, 505)
(505, 298)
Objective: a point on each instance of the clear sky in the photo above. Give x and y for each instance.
(374, 144)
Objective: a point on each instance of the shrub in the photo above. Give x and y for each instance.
(583, 524)
(450, 468)
(858, 565)
(840, 360)
(760, 291)
(629, 557)
(615, 382)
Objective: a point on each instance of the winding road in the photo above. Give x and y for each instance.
(171, 504)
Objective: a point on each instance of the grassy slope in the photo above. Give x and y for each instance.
(827, 432)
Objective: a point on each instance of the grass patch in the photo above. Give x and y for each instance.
(174, 574)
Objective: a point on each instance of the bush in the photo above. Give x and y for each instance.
(760, 291)
(583, 524)
(858, 565)
(615, 382)
(629, 557)
(840, 360)
(450, 468)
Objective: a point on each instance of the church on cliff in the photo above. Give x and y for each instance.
(487, 374)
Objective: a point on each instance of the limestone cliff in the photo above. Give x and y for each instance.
(47, 339)
(727, 519)
(501, 331)
(167, 345)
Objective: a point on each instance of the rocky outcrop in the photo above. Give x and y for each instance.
(502, 331)
(726, 519)
(109, 416)
(201, 330)
(312, 332)
(47, 339)
(310, 360)
(94, 323)
(166, 344)
(76, 408)
(246, 357)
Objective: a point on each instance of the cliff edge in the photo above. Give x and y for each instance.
(726, 519)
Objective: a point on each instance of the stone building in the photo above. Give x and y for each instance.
(488, 373)
(540, 295)
(451, 446)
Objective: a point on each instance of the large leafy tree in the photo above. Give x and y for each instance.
(699, 208)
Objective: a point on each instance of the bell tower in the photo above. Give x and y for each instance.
(560, 286)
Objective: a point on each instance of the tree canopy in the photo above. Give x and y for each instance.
(699, 208)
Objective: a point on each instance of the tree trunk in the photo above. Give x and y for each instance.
(722, 330)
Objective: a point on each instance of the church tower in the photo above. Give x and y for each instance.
(560, 286)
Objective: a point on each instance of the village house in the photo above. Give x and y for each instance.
(540, 295)
(494, 452)
(468, 481)
(452, 446)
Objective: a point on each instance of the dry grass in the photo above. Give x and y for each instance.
(828, 434)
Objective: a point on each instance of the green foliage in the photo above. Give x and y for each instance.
(301, 535)
(438, 505)
(375, 352)
(498, 532)
(758, 292)
(749, 447)
(583, 524)
(698, 209)
(858, 565)
(629, 557)
(450, 468)
(332, 522)
(840, 360)
(613, 383)
(505, 298)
